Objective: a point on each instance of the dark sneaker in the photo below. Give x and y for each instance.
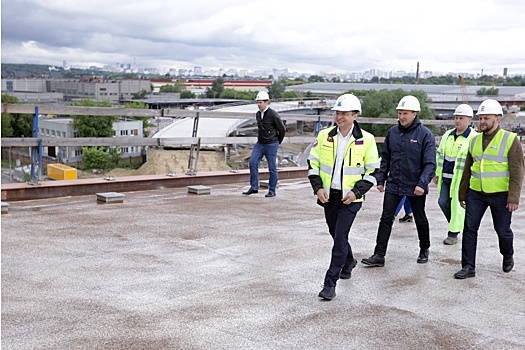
(464, 273)
(423, 256)
(270, 194)
(375, 260)
(508, 264)
(406, 218)
(346, 272)
(328, 293)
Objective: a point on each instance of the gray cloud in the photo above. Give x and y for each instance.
(330, 36)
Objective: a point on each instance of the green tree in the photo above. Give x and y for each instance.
(276, 90)
(16, 125)
(114, 154)
(145, 120)
(487, 92)
(187, 94)
(177, 87)
(217, 86)
(315, 79)
(290, 95)
(140, 95)
(95, 157)
(383, 103)
(93, 125)
(7, 130)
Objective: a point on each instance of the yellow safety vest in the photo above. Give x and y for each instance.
(490, 168)
(453, 150)
(361, 159)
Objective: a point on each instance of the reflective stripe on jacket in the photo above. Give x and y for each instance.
(453, 150)
(360, 162)
(490, 167)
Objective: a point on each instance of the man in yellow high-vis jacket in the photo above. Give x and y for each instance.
(450, 162)
(492, 179)
(341, 169)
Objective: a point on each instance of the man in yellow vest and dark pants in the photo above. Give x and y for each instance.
(341, 168)
(492, 179)
(450, 162)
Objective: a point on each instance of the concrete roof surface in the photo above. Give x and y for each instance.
(170, 270)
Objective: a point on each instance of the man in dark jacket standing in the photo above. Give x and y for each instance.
(408, 164)
(271, 133)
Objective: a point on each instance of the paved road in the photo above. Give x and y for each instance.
(168, 270)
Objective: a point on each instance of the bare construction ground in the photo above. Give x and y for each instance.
(170, 270)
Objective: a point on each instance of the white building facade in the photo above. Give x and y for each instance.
(63, 128)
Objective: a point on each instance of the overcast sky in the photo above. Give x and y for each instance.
(462, 36)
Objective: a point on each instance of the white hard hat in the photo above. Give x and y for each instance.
(490, 107)
(347, 102)
(465, 110)
(262, 96)
(409, 103)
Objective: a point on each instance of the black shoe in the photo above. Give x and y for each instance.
(346, 272)
(270, 194)
(250, 191)
(464, 273)
(328, 293)
(375, 260)
(406, 218)
(423, 256)
(508, 264)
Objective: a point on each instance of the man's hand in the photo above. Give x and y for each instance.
(419, 191)
(512, 207)
(322, 196)
(463, 204)
(435, 180)
(349, 198)
(381, 188)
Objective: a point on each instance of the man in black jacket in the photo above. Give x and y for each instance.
(271, 133)
(408, 164)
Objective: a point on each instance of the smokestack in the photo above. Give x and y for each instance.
(417, 74)
(505, 71)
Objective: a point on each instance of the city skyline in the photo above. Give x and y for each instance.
(333, 37)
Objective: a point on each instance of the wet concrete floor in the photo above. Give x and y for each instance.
(170, 270)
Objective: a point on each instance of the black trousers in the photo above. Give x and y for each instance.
(339, 218)
(390, 203)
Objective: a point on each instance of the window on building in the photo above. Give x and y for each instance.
(63, 134)
(123, 132)
(78, 152)
(135, 132)
(124, 150)
(52, 132)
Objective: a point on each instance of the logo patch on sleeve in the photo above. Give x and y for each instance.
(315, 144)
(359, 142)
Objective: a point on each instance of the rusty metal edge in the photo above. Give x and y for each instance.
(53, 189)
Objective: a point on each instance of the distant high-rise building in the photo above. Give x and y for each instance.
(197, 70)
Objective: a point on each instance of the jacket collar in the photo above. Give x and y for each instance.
(356, 132)
(414, 124)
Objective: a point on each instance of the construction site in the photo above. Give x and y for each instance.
(167, 257)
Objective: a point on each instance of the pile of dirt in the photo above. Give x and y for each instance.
(162, 162)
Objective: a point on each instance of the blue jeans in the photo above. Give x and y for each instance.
(404, 204)
(390, 203)
(339, 218)
(270, 152)
(477, 204)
